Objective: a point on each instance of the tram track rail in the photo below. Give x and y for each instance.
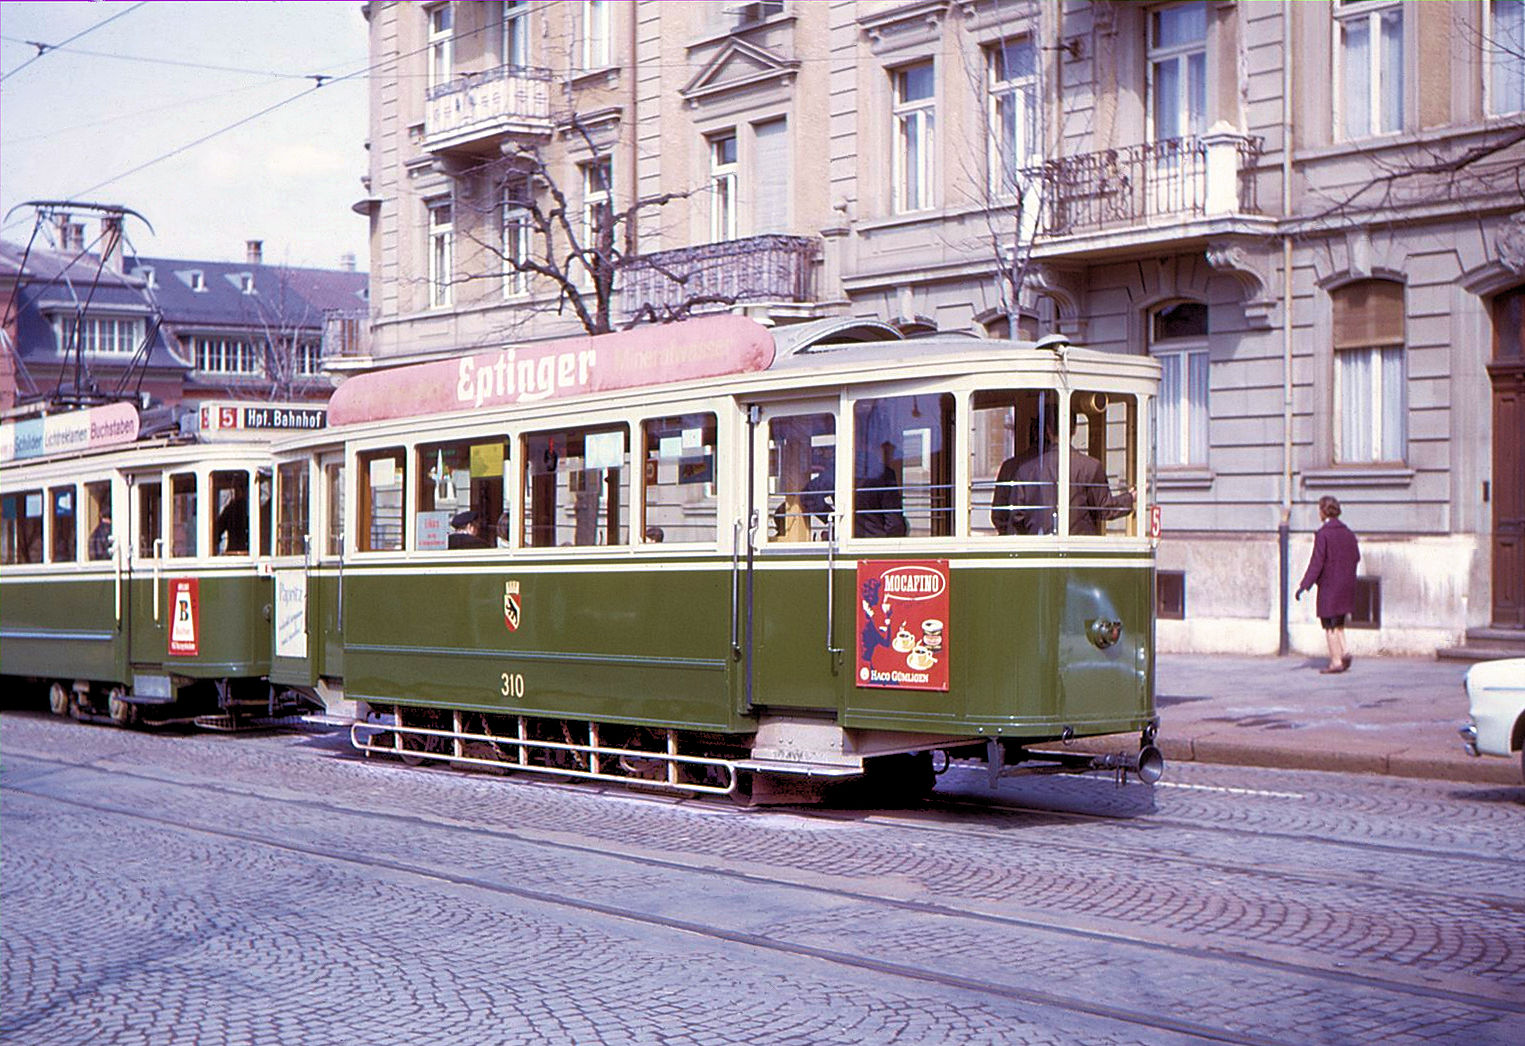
(408, 822)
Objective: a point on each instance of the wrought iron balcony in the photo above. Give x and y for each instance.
(510, 99)
(1150, 184)
(769, 268)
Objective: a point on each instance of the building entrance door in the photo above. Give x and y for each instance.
(1507, 374)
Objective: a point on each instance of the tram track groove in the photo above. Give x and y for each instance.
(1396, 986)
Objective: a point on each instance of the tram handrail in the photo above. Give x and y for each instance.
(735, 589)
(835, 652)
(158, 560)
(116, 580)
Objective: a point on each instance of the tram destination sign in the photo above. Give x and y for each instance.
(659, 354)
(234, 420)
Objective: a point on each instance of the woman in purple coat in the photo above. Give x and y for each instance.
(1333, 570)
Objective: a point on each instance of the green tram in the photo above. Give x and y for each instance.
(134, 565)
(712, 557)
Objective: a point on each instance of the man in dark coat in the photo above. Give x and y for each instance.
(1333, 570)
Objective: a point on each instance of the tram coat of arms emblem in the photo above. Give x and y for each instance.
(511, 612)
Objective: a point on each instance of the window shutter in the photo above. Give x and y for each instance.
(770, 191)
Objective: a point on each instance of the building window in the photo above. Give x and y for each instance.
(914, 127)
(1013, 85)
(234, 356)
(751, 14)
(597, 212)
(518, 227)
(441, 44)
(441, 254)
(1178, 339)
(1370, 373)
(246, 283)
(1371, 67)
(595, 34)
(1368, 604)
(723, 188)
(1505, 48)
(98, 336)
(197, 280)
(514, 47)
(1170, 594)
(1177, 71)
(309, 358)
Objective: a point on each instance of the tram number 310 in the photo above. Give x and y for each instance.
(512, 684)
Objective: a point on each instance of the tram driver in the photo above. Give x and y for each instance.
(1027, 490)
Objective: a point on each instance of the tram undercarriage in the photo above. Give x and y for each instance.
(788, 760)
(226, 705)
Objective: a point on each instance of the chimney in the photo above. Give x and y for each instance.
(111, 241)
(254, 252)
(347, 261)
(71, 234)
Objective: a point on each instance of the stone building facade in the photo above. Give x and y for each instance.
(1310, 212)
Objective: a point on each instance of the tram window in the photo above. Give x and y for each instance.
(266, 502)
(802, 472)
(680, 501)
(99, 519)
(333, 481)
(291, 516)
(1102, 495)
(150, 516)
(65, 524)
(182, 515)
(382, 473)
(573, 490)
(458, 481)
(230, 513)
(902, 466)
(1012, 475)
(21, 535)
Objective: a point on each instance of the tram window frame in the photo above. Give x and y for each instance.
(1119, 459)
(63, 538)
(182, 527)
(1014, 507)
(540, 523)
(150, 517)
(293, 507)
(264, 507)
(366, 521)
(21, 542)
(680, 451)
(887, 515)
(226, 489)
(333, 508)
(486, 492)
(94, 502)
(803, 444)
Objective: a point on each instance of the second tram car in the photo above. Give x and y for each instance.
(708, 553)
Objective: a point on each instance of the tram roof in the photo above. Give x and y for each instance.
(650, 356)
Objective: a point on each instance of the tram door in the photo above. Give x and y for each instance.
(795, 620)
(146, 613)
(308, 644)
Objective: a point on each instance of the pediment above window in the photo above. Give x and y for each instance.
(905, 25)
(737, 65)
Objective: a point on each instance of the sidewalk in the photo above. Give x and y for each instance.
(1387, 715)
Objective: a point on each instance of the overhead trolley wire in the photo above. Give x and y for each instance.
(43, 48)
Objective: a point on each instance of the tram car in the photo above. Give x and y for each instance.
(709, 556)
(134, 561)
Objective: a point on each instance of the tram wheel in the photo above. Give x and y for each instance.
(59, 699)
(122, 712)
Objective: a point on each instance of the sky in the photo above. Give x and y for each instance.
(95, 119)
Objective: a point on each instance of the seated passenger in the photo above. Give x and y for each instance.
(466, 531)
(232, 534)
(879, 509)
(100, 537)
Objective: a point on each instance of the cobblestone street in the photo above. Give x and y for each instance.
(166, 887)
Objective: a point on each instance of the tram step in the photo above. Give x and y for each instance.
(228, 723)
(781, 766)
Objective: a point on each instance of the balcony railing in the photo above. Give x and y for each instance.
(756, 269)
(510, 99)
(1153, 183)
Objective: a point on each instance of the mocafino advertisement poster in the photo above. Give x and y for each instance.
(903, 639)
